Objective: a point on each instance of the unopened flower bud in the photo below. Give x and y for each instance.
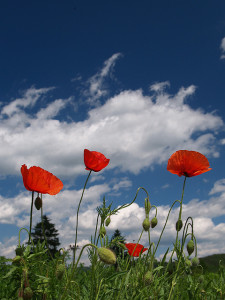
(122, 245)
(188, 263)
(102, 231)
(146, 224)
(147, 206)
(190, 247)
(60, 270)
(195, 261)
(154, 222)
(107, 221)
(107, 256)
(16, 260)
(38, 203)
(27, 293)
(148, 278)
(19, 251)
(179, 225)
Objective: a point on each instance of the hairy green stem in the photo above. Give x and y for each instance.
(75, 243)
(31, 212)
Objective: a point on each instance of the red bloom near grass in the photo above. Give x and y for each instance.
(38, 180)
(139, 249)
(95, 161)
(188, 163)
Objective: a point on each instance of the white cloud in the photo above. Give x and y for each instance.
(131, 129)
(159, 86)
(96, 88)
(222, 46)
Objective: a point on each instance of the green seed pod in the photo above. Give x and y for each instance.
(179, 225)
(146, 224)
(107, 221)
(195, 261)
(148, 278)
(147, 206)
(60, 270)
(27, 293)
(107, 256)
(19, 251)
(38, 203)
(16, 260)
(188, 263)
(190, 247)
(102, 231)
(154, 222)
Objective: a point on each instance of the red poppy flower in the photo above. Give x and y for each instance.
(95, 161)
(188, 163)
(38, 180)
(139, 249)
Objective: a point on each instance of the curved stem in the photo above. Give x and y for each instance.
(31, 212)
(75, 243)
(43, 230)
(164, 226)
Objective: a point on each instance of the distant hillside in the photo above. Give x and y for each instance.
(211, 263)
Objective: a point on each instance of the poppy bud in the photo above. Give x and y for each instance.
(107, 221)
(148, 278)
(27, 293)
(38, 203)
(154, 222)
(102, 231)
(190, 247)
(195, 261)
(122, 245)
(179, 225)
(188, 263)
(19, 251)
(60, 270)
(147, 206)
(146, 224)
(16, 260)
(107, 256)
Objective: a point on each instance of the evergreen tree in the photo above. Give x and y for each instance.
(50, 232)
(119, 238)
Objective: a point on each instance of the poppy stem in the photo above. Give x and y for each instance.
(181, 201)
(75, 243)
(31, 212)
(43, 230)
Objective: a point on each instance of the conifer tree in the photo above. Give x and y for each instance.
(117, 236)
(50, 232)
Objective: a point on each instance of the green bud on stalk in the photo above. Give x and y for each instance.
(188, 263)
(107, 221)
(154, 222)
(38, 203)
(107, 256)
(16, 260)
(179, 225)
(195, 261)
(19, 251)
(102, 231)
(190, 247)
(27, 293)
(60, 270)
(148, 278)
(146, 224)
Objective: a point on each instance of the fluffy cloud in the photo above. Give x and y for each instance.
(134, 130)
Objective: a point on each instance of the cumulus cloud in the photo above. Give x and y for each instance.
(222, 47)
(134, 130)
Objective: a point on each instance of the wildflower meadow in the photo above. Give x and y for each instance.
(34, 273)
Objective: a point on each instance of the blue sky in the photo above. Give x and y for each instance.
(133, 80)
